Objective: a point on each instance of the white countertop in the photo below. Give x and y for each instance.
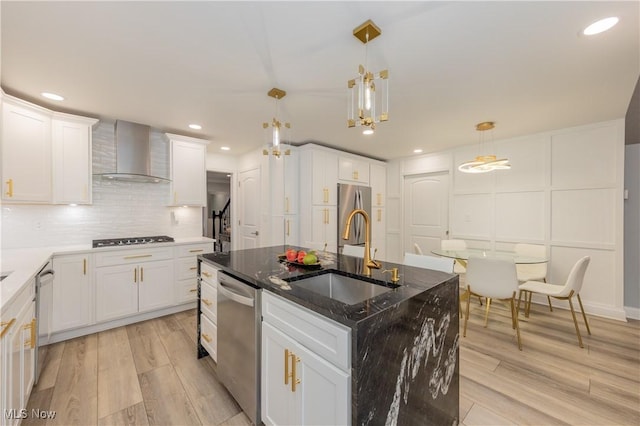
(24, 263)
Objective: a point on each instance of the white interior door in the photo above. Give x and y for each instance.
(426, 211)
(249, 209)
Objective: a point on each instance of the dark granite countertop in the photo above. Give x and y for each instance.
(256, 266)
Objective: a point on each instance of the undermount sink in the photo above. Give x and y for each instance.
(344, 289)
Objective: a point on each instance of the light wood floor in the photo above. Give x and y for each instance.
(148, 373)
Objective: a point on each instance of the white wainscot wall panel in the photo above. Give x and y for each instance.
(394, 179)
(394, 248)
(598, 293)
(471, 216)
(394, 218)
(584, 159)
(520, 216)
(528, 159)
(470, 182)
(584, 217)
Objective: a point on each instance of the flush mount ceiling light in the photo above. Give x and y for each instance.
(225, 148)
(52, 96)
(195, 126)
(368, 92)
(484, 163)
(601, 26)
(278, 129)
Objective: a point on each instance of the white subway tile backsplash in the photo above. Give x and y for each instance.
(120, 209)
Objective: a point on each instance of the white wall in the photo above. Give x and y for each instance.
(564, 191)
(632, 231)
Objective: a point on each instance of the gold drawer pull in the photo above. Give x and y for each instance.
(206, 337)
(294, 381)
(84, 266)
(196, 250)
(6, 326)
(193, 290)
(325, 193)
(31, 326)
(135, 275)
(286, 203)
(138, 256)
(141, 274)
(193, 268)
(288, 233)
(206, 274)
(10, 188)
(207, 302)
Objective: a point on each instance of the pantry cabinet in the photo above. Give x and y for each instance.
(303, 381)
(188, 171)
(72, 292)
(26, 152)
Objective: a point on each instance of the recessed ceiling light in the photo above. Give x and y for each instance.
(600, 26)
(417, 151)
(225, 148)
(195, 126)
(228, 175)
(52, 96)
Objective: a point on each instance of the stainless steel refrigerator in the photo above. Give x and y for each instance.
(352, 197)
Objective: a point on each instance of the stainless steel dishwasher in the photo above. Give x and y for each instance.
(239, 342)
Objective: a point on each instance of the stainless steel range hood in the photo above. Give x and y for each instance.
(133, 154)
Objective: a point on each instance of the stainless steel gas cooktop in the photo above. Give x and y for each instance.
(116, 242)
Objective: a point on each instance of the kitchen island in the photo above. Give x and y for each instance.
(404, 342)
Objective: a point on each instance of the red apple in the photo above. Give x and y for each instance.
(291, 254)
(301, 255)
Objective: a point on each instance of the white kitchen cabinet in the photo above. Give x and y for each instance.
(72, 292)
(72, 159)
(353, 170)
(188, 171)
(26, 152)
(132, 281)
(324, 176)
(299, 385)
(378, 185)
(291, 181)
(378, 232)
(17, 354)
(208, 314)
(291, 234)
(186, 256)
(324, 228)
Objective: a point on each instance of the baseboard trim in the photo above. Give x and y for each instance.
(95, 328)
(633, 313)
(591, 308)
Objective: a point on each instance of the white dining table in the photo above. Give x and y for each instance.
(463, 255)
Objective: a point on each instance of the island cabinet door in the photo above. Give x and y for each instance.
(298, 386)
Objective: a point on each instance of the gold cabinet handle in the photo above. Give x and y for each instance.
(84, 266)
(286, 366)
(379, 215)
(193, 290)
(31, 341)
(141, 274)
(196, 250)
(207, 302)
(286, 204)
(325, 192)
(206, 337)
(135, 275)
(138, 256)
(10, 188)
(193, 268)
(206, 274)
(288, 229)
(379, 196)
(6, 326)
(294, 380)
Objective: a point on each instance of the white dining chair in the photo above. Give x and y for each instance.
(443, 264)
(563, 292)
(494, 279)
(357, 251)
(416, 248)
(533, 271)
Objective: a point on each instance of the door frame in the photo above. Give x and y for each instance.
(233, 185)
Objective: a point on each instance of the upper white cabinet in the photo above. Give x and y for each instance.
(72, 160)
(188, 171)
(323, 179)
(378, 184)
(26, 152)
(46, 156)
(353, 170)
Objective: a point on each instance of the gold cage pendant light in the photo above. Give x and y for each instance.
(276, 131)
(484, 163)
(368, 92)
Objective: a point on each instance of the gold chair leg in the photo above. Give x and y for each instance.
(514, 318)
(528, 309)
(480, 300)
(583, 314)
(466, 318)
(550, 307)
(486, 314)
(575, 322)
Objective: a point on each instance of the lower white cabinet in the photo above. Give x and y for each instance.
(186, 289)
(209, 309)
(17, 354)
(72, 292)
(299, 386)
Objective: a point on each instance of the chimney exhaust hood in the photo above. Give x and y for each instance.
(133, 154)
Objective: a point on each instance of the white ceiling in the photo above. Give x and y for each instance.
(451, 65)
